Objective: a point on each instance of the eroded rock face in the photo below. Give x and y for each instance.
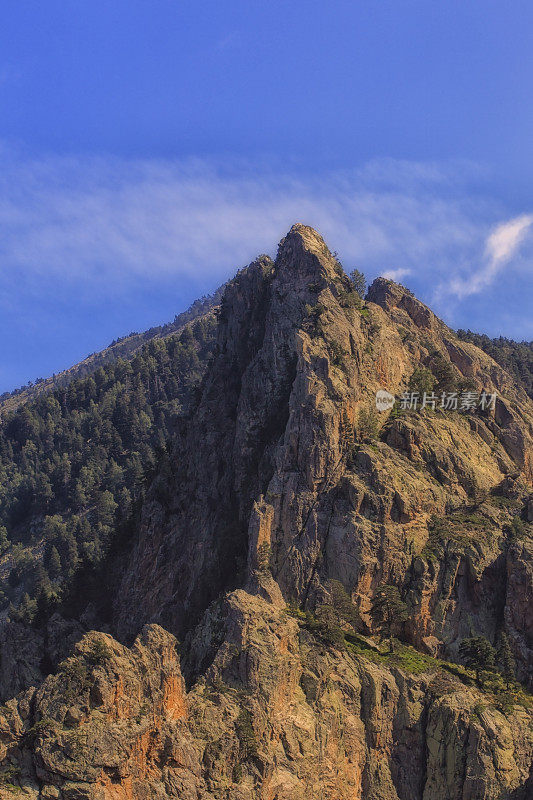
(264, 459)
(276, 714)
(95, 727)
(26, 654)
(269, 496)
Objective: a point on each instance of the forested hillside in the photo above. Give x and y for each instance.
(73, 460)
(515, 357)
(125, 347)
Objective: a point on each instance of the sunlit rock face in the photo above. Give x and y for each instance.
(283, 478)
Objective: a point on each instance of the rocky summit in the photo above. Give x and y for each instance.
(312, 599)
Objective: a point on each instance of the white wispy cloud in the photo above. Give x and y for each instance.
(106, 225)
(85, 220)
(502, 244)
(397, 274)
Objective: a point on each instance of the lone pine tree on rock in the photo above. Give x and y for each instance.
(358, 282)
(477, 654)
(389, 612)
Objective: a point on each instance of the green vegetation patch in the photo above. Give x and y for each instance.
(403, 656)
(75, 460)
(460, 527)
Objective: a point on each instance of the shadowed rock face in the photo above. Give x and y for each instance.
(277, 484)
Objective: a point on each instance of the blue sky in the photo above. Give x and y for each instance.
(149, 149)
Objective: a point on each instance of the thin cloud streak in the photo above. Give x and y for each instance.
(102, 224)
(502, 245)
(396, 274)
(84, 218)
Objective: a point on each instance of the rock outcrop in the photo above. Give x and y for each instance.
(275, 715)
(283, 479)
(266, 460)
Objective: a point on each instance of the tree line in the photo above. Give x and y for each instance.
(73, 460)
(515, 357)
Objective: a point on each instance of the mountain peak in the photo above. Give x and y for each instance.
(393, 296)
(304, 252)
(306, 235)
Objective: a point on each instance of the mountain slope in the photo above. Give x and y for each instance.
(123, 348)
(296, 363)
(73, 461)
(515, 357)
(285, 510)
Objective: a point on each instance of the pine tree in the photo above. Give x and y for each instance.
(106, 508)
(388, 612)
(444, 374)
(422, 380)
(346, 432)
(478, 654)
(358, 282)
(54, 563)
(328, 624)
(41, 581)
(343, 605)
(27, 609)
(367, 424)
(505, 659)
(68, 548)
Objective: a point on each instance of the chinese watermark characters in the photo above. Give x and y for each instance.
(447, 401)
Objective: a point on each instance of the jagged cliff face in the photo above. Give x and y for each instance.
(268, 497)
(275, 716)
(263, 463)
